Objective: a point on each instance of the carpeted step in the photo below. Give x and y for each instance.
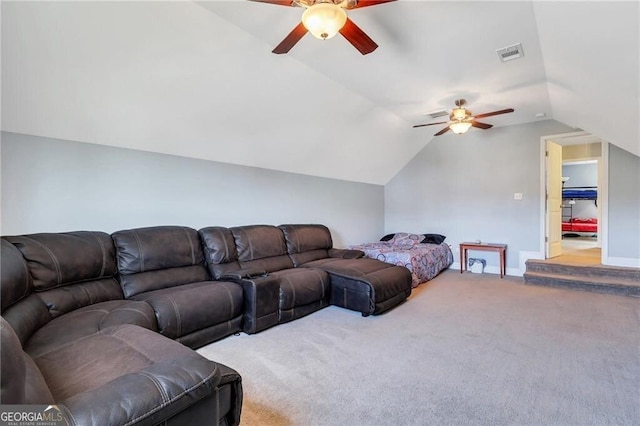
(603, 271)
(623, 286)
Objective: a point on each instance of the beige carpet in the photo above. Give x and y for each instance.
(463, 350)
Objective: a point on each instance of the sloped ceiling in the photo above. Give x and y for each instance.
(198, 79)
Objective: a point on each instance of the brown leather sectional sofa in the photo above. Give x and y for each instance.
(105, 325)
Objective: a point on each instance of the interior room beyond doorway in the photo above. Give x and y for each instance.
(580, 210)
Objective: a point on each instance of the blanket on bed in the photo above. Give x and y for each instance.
(425, 261)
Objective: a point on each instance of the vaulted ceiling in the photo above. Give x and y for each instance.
(198, 79)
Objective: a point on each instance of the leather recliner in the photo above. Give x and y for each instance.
(298, 264)
(68, 337)
(360, 284)
(164, 267)
(256, 257)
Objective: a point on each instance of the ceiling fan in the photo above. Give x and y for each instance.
(461, 119)
(324, 19)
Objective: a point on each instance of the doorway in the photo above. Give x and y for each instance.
(580, 211)
(573, 183)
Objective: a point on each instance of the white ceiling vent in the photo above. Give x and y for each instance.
(510, 53)
(438, 113)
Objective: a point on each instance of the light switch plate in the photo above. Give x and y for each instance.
(517, 196)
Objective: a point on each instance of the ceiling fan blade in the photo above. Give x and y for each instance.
(277, 2)
(358, 38)
(366, 3)
(489, 114)
(481, 125)
(430, 124)
(443, 131)
(290, 40)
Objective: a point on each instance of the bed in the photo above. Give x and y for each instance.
(570, 224)
(424, 255)
(580, 193)
(581, 224)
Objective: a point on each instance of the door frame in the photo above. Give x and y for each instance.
(603, 192)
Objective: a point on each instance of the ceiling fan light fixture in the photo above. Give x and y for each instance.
(459, 114)
(324, 20)
(460, 127)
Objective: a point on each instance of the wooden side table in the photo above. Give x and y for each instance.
(500, 248)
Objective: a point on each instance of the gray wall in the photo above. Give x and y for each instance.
(50, 185)
(624, 204)
(463, 186)
(581, 174)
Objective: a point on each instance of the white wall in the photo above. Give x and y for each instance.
(463, 186)
(175, 78)
(624, 208)
(51, 185)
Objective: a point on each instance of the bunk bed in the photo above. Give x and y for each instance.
(580, 193)
(571, 225)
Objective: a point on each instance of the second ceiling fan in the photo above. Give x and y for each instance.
(461, 119)
(324, 19)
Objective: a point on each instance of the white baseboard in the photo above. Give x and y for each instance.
(628, 262)
(526, 255)
(490, 270)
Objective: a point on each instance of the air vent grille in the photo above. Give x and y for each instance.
(437, 114)
(510, 53)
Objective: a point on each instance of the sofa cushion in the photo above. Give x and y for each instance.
(158, 257)
(187, 308)
(127, 374)
(306, 243)
(365, 285)
(299, 287)
(261, 247)
(20, 379)
(89, 320)
(386, 280)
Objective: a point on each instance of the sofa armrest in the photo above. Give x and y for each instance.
(345, 253)
(261, 303)
(243, 274)
(261, 294)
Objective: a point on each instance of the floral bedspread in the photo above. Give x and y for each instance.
(425, 261)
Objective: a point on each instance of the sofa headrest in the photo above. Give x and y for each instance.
(301, 238)
(15, 277)
(155, 248)
(258, 242)
(59, 259)
(219, 244)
